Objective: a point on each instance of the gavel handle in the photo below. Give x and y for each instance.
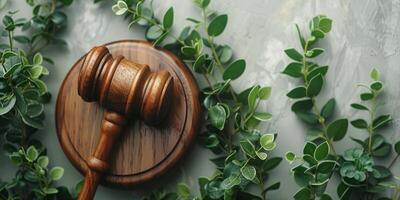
(111, 128)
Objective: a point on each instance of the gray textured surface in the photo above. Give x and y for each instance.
(365, 34)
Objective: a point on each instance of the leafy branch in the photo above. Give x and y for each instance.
(23, 95)
(316, 165)
(230, 131)
(359, 173)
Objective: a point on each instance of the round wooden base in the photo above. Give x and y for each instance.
(143, 152)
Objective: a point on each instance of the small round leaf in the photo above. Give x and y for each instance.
(234, 70)
(217, 25)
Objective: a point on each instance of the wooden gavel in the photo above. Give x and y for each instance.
(126, 90)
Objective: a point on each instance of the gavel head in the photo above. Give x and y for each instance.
(125, 87)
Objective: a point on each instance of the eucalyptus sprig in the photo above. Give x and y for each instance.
(48, 19)
(230, 131)
(375, 144)
(23, 94)
(361, 175)
(319, 159)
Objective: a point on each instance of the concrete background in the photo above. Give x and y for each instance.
(365, 35)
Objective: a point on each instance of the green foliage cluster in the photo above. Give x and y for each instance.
(230, 131)
(360, 175)
(23, 94)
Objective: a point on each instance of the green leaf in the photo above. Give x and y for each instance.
(9, 106)
(243, 96)
(145, 12)
(217, 25)
(33, 122)
(22, 39)
(217, 115)
(328, 108)
(302, 105)
(307, 117)
(267, 141)
(322, 151)
(383, 151)
(37, 59)
(56, 173)
(376, 86)
(271, 163)
(359, 123)
(42, 87)
(366, 96)
(262, 116)
(168, 18)
(16, 159)
(264, 93)
(188, 51)
(301, 38)
(343, 191)
(120, 8)
(36, 71)
(251, 99)
(290, 156)
(318, 33)
(248, 172)
(315, 86)
(225, 54)
(294, 54)
(248, 148)
(316, 71)
(234, 70)
(154, 32)
(297, 93)
(59, 18)
(50, 190)
(31, 154)
(274, 186)
(43, 161)
(293, 70)
(337, 129)
(261, 155)
(325, 24)
(310, 160)
(397, 147)
(34, 110)
(381, 172)
(326, 166)
(231, 181)
(309, 148)
(375, 75)
(359, 106)
(198, 65)
(67, 2)
(377, 141)
(203, 3)
(381, 121)
(183, 191)
(314, 52)
(303, 194)
(325, 197)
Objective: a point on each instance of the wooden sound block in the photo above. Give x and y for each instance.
(143, 152)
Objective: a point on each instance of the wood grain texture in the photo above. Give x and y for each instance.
(143, 152)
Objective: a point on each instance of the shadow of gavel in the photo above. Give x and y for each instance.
(126, 90)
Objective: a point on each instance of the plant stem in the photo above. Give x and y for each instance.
(321, 120)
(214, 51)
(154, 23)
(10, 40)
(370, 127)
